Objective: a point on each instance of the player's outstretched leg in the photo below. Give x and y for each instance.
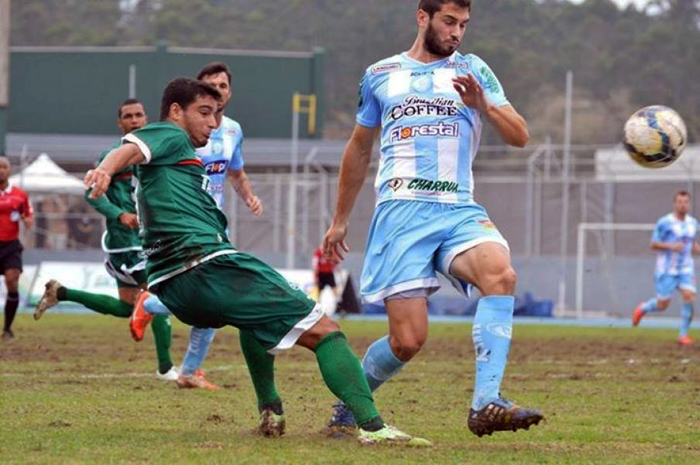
(343, 374)
(55, 292)
(650, 306)
(191, 375)
(261, 366)
(379, 365)
(491, 334)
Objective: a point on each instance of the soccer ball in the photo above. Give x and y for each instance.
(655, 136)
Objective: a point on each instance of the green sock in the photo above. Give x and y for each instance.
(100, 303)
(261, 366)
(343, 374)
(162, 334)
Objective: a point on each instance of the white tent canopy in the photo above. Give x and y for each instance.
(45, 176)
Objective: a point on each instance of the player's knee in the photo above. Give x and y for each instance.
(663, 304)
(12, 284)
(501, 283)
(406, 347)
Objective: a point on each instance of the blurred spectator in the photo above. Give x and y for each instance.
(83, 228)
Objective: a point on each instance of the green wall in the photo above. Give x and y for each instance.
(77, 90)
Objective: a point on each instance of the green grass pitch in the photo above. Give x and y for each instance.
(76, 389)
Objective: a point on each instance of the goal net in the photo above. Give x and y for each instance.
(614, 268)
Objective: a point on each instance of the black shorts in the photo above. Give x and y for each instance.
(10, 255)
(325, 279)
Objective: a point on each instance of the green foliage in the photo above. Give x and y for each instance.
(621, 59)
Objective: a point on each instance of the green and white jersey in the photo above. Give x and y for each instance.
(118, 199)
(182, 225)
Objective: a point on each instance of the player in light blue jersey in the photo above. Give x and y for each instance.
(674, 241)
(222, 159)
(429, 104)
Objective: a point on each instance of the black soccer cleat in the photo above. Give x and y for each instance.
(502, 415)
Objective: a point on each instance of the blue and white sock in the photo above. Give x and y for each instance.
(491, 333)
(650, 306)
(686, 318)
(154, 306)
(380, 363)
(200, 341)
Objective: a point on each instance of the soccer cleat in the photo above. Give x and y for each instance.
(139, 319)
(48, 300)
(342, 422)
(502, 415)
(197, 380)
(271, 424)
(685, 341)
(390, 435)
(638, 314)
(170, 375)
(7, 335)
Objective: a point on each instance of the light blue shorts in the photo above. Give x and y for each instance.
(667, 283)
(409, 241)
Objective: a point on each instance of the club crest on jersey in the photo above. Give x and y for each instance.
(216, 167)
(395, 184)
(455, 65)
(431, 130)
(385, 68)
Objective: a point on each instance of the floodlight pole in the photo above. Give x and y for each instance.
(292, 198)
(564, 243)
(4, 69)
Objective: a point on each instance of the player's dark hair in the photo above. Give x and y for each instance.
(681, 193)
(129, 101)
(184, 92)
(215, 68)
(433, 6)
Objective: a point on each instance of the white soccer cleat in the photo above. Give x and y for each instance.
(170, 375)
(48, 300)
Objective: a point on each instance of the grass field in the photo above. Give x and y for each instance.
(76, 389)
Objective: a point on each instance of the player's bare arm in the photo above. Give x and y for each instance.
(98, 179)
(511, 126)
(353, 171)
(668, 246)
(241, 184)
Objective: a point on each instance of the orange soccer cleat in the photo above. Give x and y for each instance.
(139, 319)
(197, 380)
(685, 341)
(638, 314)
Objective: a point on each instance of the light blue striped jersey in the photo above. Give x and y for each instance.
(429, 137)
(670, 229)
(222, 153)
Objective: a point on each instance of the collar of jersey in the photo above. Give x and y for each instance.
(405, 56)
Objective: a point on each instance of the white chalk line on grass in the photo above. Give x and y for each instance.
(222, 368)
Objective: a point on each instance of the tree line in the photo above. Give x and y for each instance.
(621, 59)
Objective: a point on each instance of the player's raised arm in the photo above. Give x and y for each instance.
(99, 178)
(353, 171)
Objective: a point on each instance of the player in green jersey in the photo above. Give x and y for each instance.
(121, 242)
(205, 282)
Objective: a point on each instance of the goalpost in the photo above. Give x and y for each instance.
(584, 228)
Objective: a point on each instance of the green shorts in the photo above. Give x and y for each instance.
(242, 291)
(128, 268)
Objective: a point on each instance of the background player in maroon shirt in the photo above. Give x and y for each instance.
(324, 272)
(14, 206)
